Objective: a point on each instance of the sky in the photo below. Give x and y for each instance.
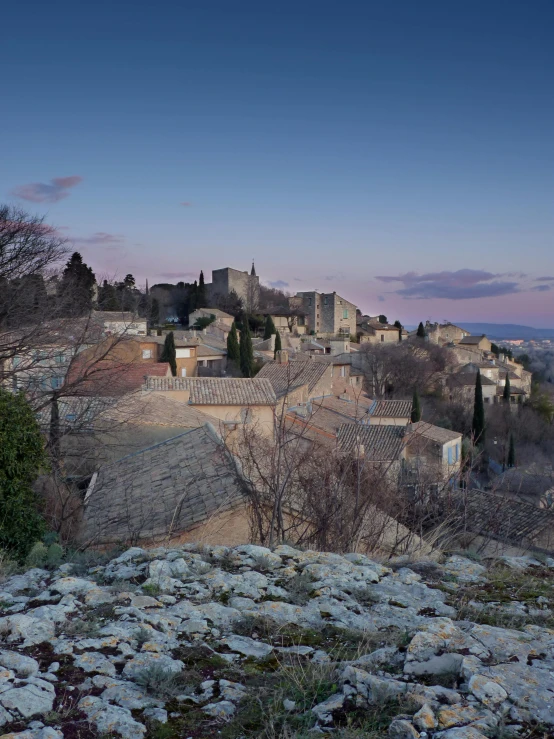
(400, 153)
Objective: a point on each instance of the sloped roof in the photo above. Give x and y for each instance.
(391, 409)
(284, 377)
(324, 416)
(218, 390)
(215, 312)
(503, 518)
(117, 316)
(380, 443)
(153, 409)
(168, 488)
(461, 379)
(472, 339)
(434, 433)
(203, 350)
(107, 377)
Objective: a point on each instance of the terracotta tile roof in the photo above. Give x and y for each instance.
(380, 443)
(434, 433)
(111, 378)
(391, 409)
(218, 390)
(324, 416)
(170, 487)
(461, 379)
(116, 316)
(294, 374)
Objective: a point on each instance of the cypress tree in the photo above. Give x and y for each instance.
(278, 346)
(169, 353)
(233, 349)
(246, 351)
(507, 388)
(269, 328)
(512, 452)
(478, 423)
(416, 407)
(421, 331)
(201, 292)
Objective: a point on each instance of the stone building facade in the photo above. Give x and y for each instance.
(327, 314)
(445, 333)
(245, 285)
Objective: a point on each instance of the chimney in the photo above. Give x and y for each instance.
(282, 357)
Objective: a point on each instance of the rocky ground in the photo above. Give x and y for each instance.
(246, 642)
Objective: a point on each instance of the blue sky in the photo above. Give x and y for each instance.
(344, 145)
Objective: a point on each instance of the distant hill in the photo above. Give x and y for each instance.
(506, 330)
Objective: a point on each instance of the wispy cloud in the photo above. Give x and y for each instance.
(47, 192)
(464, 284)
(541, 288)
(279, 284)
(381, 298)
(100, 238)
(544, 279)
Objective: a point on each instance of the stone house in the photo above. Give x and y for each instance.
(181, 489)
(328, 314)
(480, 343)
(289, 323)
(437, 447)
(212, 361)
(382, 446)
(233, 401)
(390, 413)
(222, 319)
(299, 379)
(120, 322)
(375, 332)
(460, 388)
(445, 333)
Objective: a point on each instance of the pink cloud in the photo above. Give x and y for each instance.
(186, 205)
(43, 192)
(100, 238)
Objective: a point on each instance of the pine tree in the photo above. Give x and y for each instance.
(77, 286)
(398, 324)
(277, 344)
(478, 423)
(416, 407)
(512, 452)
(246, 351)
(21, 458)
(421, 331)
(233, 349)
(269, 327)
(169, 353)
(155, 311)
(507, 389)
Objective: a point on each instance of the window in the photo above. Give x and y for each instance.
(60, 358)
(343, 371)
(57, 382)
(382, 337)
(183, 372)
(326, 301)
(183, 353)
(457, 452)
(310, 302)
(450, 455)
(147, 353)
(345, 313)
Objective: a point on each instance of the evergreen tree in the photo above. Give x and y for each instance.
(398, 324)
(155, 311)
(107, 297)
(382, 319)
(512, 452)
(416, 407)
(478, 423)
(169, 353)
(77, 286)
(246, 352)
(22, 456)
(269, 327)
(421, 331)
(277, 344)
(201, 299)
(233, 349)
(507, 388)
